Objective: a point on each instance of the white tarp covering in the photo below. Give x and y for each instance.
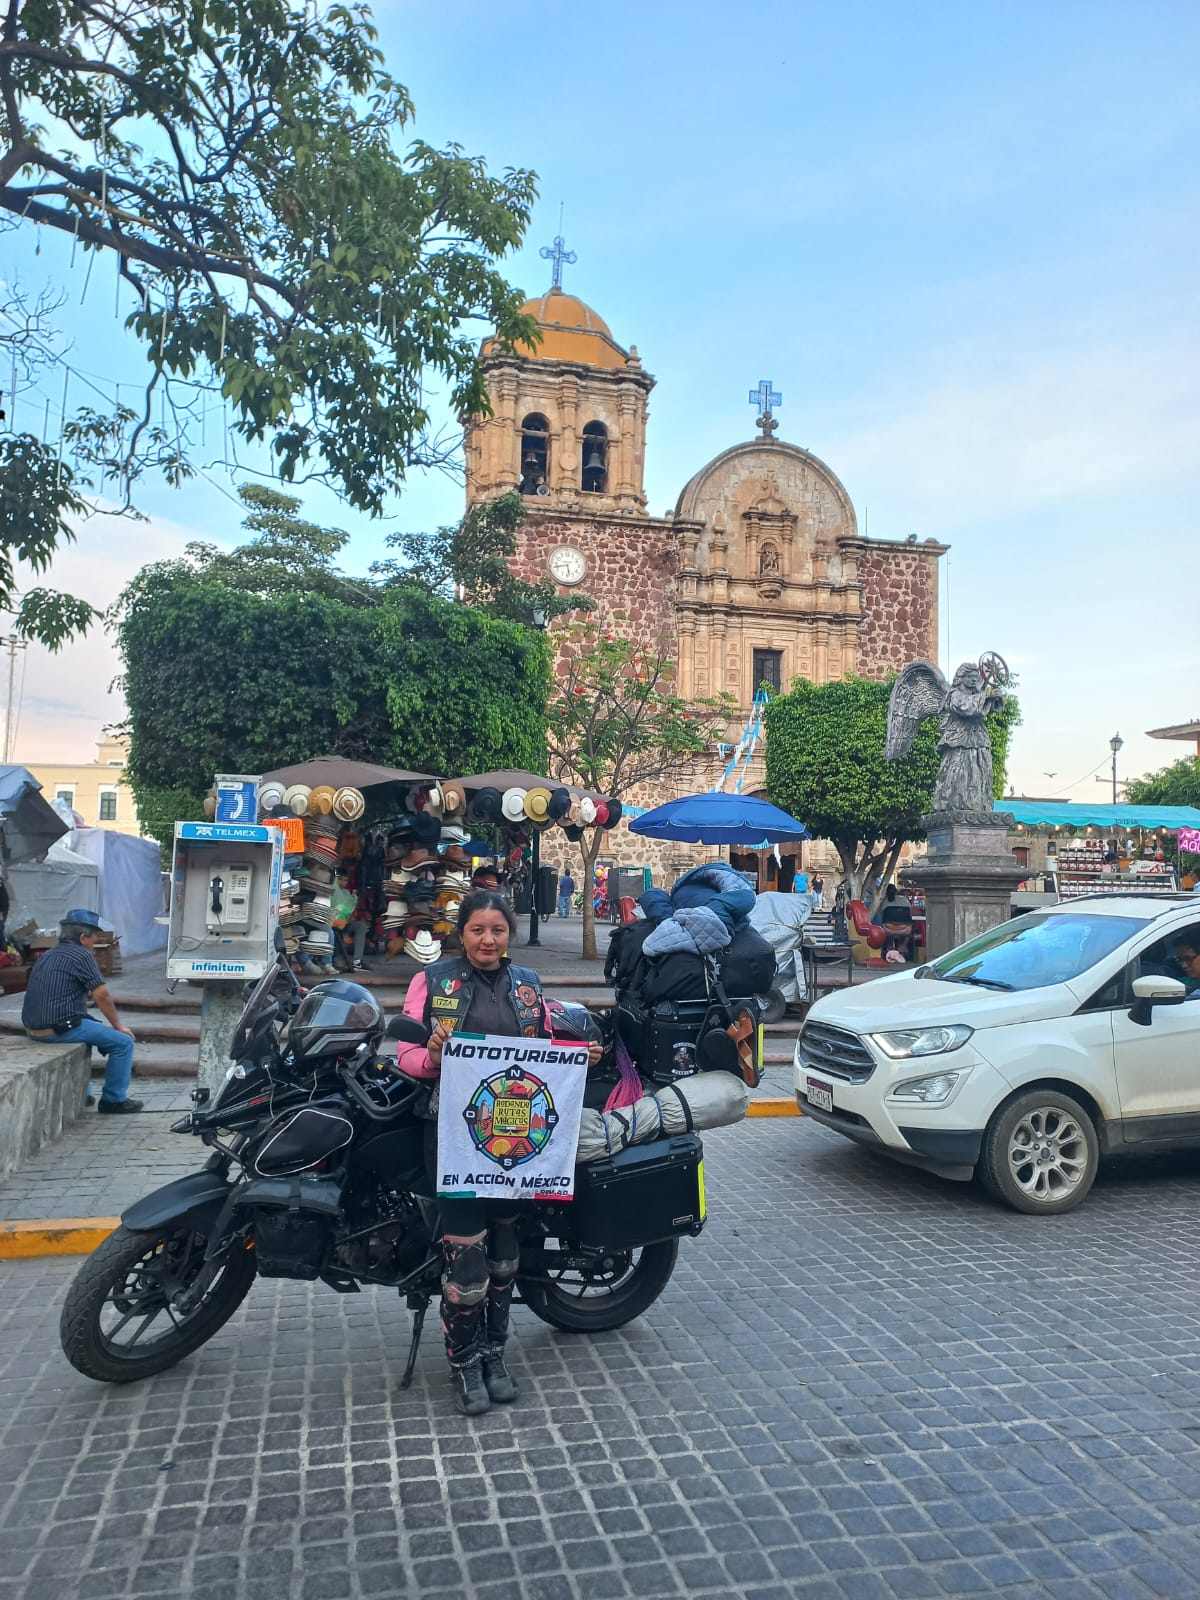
(780, 918)
(41, 892)
(709, 1100)
(131, 891)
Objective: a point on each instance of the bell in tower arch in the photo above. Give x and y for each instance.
(594, 447)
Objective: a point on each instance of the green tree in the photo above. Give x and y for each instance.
(238, 159)
(472, 558)
(255, 658)
(615, 721)
(1176, 785)
(825, 764)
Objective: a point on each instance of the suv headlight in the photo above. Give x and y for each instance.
(931, 1091)
(910, 1042)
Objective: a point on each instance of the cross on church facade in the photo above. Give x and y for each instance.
(558, 253)
(766, 398)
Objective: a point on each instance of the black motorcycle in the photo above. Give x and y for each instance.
(318, 1172)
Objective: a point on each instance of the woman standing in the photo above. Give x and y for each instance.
(480, 991)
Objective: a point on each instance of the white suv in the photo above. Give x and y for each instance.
(1025, 1054)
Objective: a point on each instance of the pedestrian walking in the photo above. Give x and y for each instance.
(62, 984)
(566, 888)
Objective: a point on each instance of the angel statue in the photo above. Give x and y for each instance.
(964, 780)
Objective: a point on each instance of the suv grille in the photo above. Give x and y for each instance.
(836, 1052)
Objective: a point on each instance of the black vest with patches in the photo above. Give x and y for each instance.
(450, 988)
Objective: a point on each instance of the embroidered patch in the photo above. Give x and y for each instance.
(440, 1003)
(527, 994)
(530, 1033)
(451, 985)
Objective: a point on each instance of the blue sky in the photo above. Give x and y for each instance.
(961, 239)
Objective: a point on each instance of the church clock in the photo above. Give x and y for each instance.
(567, 565)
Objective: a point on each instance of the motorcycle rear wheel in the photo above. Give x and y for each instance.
(583, 1303)
(130, 1279)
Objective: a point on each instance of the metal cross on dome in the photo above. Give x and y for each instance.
(558, 253)
(766, 398)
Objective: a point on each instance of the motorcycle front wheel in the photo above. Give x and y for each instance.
(119, 1322)
(593, 1302)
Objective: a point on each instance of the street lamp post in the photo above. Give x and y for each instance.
(1114, 744)
(535, 853)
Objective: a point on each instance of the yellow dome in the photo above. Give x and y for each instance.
(554, 309)
(571, 331)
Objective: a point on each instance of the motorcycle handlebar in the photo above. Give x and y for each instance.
(363, 1100)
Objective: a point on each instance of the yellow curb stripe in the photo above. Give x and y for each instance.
(54, 1236)
(773, 1106)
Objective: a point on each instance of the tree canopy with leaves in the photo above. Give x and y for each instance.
(616, 721)
(826, 765)
(247, 660)
(237, 159)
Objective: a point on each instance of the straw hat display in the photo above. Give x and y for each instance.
(587, 811)
(423, 947)
(487, 805)
(454, 799)
(320, 800)
(512, 805)
(349, 805)
(537, 805)
(270, 795)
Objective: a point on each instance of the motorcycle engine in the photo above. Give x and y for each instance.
(399, 1241)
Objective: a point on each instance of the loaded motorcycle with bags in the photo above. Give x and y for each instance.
(317, 1173)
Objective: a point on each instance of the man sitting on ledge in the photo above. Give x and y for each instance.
(62, 983)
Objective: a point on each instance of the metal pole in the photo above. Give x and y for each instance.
(535, 862)
(1114, 777)
(12, 643)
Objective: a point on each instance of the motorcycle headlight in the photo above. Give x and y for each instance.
(908, 1042)
(929, 1091)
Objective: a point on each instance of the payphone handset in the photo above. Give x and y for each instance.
(228, 901)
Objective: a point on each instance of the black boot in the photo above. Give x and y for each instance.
(499, 1381)
(471, 1397)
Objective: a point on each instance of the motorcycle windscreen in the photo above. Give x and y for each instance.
(304, 1138)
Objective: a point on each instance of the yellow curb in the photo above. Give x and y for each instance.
(773, 1106)
(54, 1236)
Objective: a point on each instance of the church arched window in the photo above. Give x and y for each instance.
(594, 458)
(535, 454)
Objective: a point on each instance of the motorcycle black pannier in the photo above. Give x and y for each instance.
(641, 1195)
(303, 1138)
(663, 1042)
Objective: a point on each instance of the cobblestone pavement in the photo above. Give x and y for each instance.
(861, 1384)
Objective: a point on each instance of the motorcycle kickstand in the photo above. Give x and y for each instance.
(418, 1304)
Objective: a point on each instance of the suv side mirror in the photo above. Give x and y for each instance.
(1154, 991)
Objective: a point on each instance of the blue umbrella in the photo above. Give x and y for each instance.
(720, 819)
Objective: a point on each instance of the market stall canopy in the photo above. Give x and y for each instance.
(736, 819)
(1065, 814)
(42, 892)
(28, 825)
(340, 773)
(513, 778)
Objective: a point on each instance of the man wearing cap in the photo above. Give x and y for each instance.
(61, 985)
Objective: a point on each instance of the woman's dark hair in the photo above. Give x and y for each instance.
(485, 900)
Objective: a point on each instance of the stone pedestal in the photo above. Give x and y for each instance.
(967, 877)
(219, 1013)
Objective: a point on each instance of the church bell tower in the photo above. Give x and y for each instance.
(568, 423)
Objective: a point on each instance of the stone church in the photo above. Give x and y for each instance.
(759, 575)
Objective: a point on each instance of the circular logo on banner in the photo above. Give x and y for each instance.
(511, 1117)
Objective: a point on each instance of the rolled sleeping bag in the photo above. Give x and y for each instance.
(708, 1100)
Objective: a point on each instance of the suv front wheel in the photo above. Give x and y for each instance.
(1040, 1153)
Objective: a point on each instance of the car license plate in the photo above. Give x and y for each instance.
(819, 1095)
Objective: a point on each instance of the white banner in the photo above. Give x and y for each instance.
(508, 1117)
